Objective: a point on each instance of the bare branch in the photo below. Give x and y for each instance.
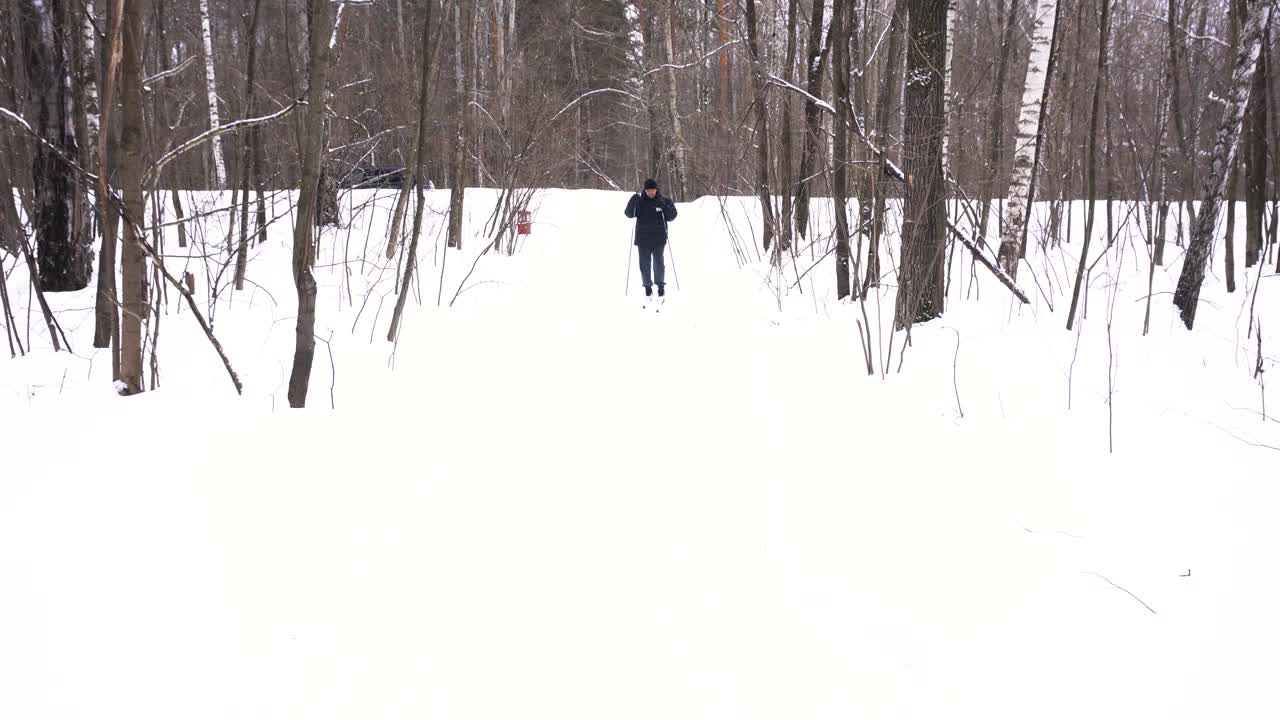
(154, 171)
(689, 64)
(170, 72)
(586, 95)
(891, 169)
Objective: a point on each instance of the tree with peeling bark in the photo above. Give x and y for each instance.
(304, 226)
(1035, 88)
(1254, 18)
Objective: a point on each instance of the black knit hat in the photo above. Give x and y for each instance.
(650, 184)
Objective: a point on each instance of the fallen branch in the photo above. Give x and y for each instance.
(1135, 597)
(191, 301)
(1000, 274)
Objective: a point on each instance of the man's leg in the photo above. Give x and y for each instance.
(660, 268)
(646, 257)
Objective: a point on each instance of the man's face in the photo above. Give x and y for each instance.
(650, 192)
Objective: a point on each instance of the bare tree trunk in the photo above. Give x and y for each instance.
(250, 95)
(921, 286)
(133, 257)
(303, 229)
(211, 82)
(860, 29)
(886, 110)
(1035, 88)
(946, 92)
(762, 129)
(1104, 35)
(840, 145)
(420, 154)
(815, 59)
(1187, 296)
(1233, 182)
(458, 188)
(1255, 135)
(786, 177)
(89, 76)
(647, 29)
(1177, 50)
(65, 255)
(1042, 125)
(995, 158)
(722, 16)
(679, 170)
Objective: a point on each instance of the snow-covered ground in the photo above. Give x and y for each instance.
(546, 502)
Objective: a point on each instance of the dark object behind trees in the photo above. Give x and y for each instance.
(361, 178)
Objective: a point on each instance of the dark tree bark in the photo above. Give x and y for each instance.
(1256, 161)
(996, 121)
(762, 130)
(921, 286)
(1187, 296)
(1091, 179)
(303, 230)
(1229, 260)
(840, 143)
(886, 110)
(786, 178)
(64, 255)
(246, 147)
(411, 261)
(133, 258)
(457, 189)
(815, 58)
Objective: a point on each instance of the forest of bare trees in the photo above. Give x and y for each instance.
(108, 104)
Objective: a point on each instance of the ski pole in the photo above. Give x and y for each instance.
(671, 248)
(632, 244)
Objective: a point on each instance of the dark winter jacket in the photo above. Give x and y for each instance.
(651, 217)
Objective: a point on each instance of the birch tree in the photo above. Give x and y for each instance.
(211, 85)
(1035, 88)
(1255, 16)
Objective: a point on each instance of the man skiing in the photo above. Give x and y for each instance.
(652, 212)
